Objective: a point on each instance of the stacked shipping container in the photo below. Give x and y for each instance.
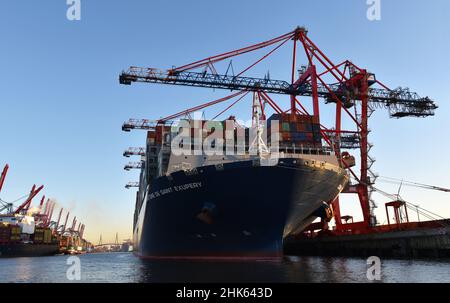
(9, 233)
(300, 130)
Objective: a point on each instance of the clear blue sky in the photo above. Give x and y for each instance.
(61, 106)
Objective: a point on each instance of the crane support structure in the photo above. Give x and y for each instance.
(353, 91)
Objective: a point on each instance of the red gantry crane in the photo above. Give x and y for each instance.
(354, 91)
(23, 208)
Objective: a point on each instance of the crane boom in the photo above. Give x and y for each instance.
(49, 218)
(25, 205)
(134, 151)
(138, 124)
(3, 176)
(415, 184)
(401, 101)
(73, 224)
(59, 218)
(133, 165)
(131, 184)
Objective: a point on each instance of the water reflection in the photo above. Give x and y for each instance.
(125, 267)
(22, 269)
(289, 269)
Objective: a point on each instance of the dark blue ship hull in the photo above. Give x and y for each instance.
(233, 210)
(27, 250)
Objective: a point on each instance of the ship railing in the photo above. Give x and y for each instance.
(306, 150)
(241, 149)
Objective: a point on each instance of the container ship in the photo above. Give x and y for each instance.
(233, 204)
(28, 231)
(204, 205)
(22, 239)
(286, 172)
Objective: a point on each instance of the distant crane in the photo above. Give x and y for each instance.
(39, 216)
(65, 223)
(81, 232)
(50, 214)
(41, 203)
(25, 205)
(59, 218)
(44, 216)
(74, 222)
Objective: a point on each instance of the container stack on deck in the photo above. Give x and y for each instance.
(298, 130)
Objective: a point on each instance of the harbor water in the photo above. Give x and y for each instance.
(125, 267)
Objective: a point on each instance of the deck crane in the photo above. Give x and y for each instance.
(133, 165)
(354, 91)
(134, 151)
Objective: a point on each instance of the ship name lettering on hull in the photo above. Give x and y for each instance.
(176, 188)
